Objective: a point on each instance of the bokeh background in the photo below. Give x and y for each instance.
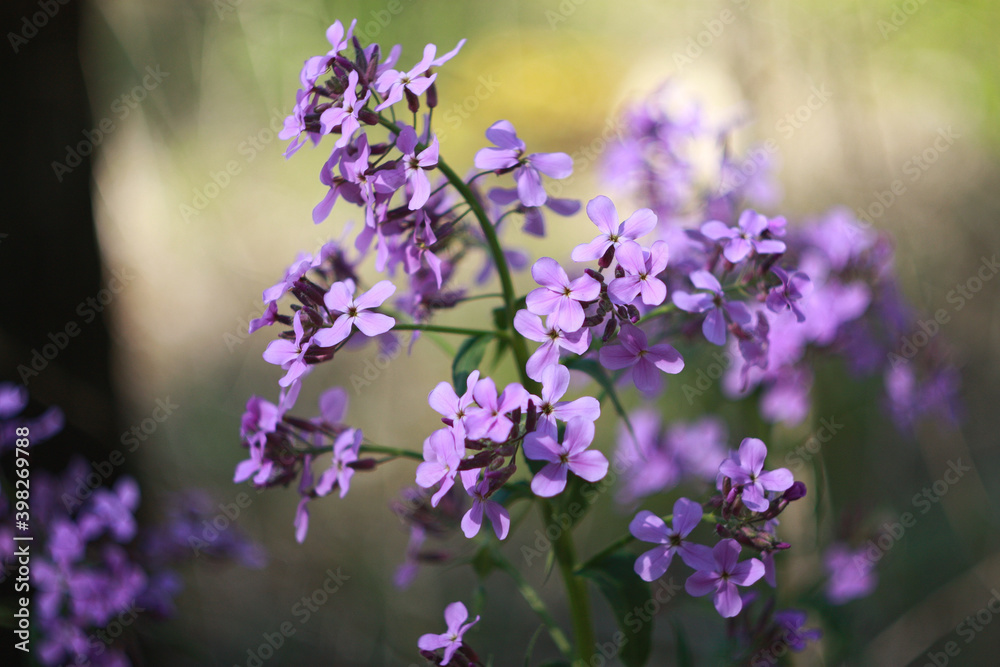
(194, 91)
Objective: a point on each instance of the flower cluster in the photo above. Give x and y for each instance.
(749, 503)
(699, 265)
(92, 564)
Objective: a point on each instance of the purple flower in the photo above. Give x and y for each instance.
(415, 165)
(315, 66)
(340, 299)
(570, 455)
(345, 451)
(747, 472)
(738, 242)
(455, 615)
(793, 287)
(509, 154)
(345, 115)
(555, 382)
(641, 267)
(394, 84)
(494, 511)
(450, 406)
(552, 339)
(635, 352)
(723, 576)
(288, 354)
(443, 452)
(648, 527)
(292, 274)
(851, 573)
(602, 213)
(714, 326)
(790, 623)
(491, 420)
(558, 297)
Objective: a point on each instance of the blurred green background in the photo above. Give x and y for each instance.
(896, 74)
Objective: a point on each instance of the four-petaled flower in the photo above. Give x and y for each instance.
(714, 326)
(443, 452)
(345, 451)
(648, 527)
(353, 312)
(393, 83)
(794, 286)
(552, 339)
(346, 114)
(555, 383)
(455, 615)
(288, 354)
(491, 420)
(747, 472)
(641, 267)
(509, 153)
(558, 297)
(602, 212)
(644, 359)
(415, 165)
(737, 242)
(723, 576)
(494, 511)
(569, 455)
(450, 406)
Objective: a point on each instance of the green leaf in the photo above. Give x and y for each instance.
(624, 591)
(469, 356)
(596, 371)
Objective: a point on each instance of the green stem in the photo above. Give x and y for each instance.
(462, 331)
(534, 601)
(576, 592)
(391, 451)
(628, 539)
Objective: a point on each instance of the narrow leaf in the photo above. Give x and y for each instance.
(624, 591)
(469, 356)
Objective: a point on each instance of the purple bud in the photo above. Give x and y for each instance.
(795, 491)
(596, 275)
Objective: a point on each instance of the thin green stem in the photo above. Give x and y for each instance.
(461, 331)
(576, 592)
(534, 601)
(391, 451)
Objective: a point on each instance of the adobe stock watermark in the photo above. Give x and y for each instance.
(302, 611)
(588, 154)
(102, 471)
(901, 13)
(701, 42)
(88, 310)
(30, 25)
(456, 114)
(893, 532)
(664, 590)
(804, 453)
(102, 638)
(218, 181)
(968, 629)
(212, 528)
(121, 108)
(927, 329)
(914, 168)
(566, 9)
